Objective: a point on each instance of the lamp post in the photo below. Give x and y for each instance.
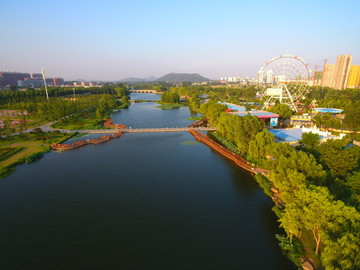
(43, 74)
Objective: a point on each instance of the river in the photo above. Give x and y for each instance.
(142, 201)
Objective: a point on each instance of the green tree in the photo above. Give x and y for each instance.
(283, 111)
(261, 146)
(311, 210)
(310, 140)
(352, 117)
(337, 158)
(194, 102)
(170, 97)
(320, 119)
(342, 240)
(353, 183)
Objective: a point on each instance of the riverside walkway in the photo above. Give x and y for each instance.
(240, 161)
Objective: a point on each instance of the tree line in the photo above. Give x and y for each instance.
(36, 95)
(101, 99)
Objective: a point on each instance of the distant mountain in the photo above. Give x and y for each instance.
(182, 77)
(135, 80)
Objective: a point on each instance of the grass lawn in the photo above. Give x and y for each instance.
(28, 148)
(27, 145)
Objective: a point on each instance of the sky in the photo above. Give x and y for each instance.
(111, 40)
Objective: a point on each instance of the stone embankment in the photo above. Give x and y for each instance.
(241, 162)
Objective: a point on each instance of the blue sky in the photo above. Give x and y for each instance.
(111, 40)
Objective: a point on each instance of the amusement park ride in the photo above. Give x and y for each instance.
(285, 79)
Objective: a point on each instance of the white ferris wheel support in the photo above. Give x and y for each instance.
(283, 99)
(284, 78)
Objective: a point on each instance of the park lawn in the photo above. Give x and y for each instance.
(28, 148)
(84, 121)
(31, 144)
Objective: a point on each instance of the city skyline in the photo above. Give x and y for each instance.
(111, 41)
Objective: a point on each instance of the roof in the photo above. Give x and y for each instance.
(234, 107)
(287, 135)
(241, 111)
(293, 134)
(259, 114)
(329, 110)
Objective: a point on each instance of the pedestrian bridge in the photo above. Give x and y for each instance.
(145, 130)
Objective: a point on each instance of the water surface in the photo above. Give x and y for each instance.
(142, 201)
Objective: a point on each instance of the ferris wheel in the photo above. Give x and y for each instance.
(284, 78)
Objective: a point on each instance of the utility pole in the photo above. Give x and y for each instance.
(43, 74)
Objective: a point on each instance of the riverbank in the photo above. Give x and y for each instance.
(27, 148)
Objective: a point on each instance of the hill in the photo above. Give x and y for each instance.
(182, 77)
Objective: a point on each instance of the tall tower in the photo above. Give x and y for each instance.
(354, 77)
(341, 72)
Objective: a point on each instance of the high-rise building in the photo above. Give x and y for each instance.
(12, 78)
(269, 77)
(261, 76)
(33, 83)
(36, 76)
(328, 75)
(58, 81)
(317, 78)
(341, 72)
(354, 77)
